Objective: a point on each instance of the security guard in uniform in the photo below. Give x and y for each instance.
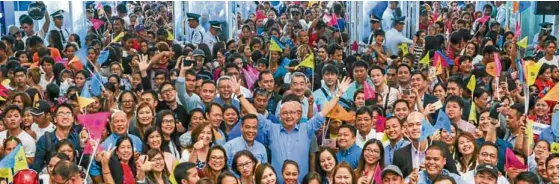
(58, 18)
(375, 23)
(195, 32)
(212, 35)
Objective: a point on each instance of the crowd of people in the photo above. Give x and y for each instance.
(287, 99)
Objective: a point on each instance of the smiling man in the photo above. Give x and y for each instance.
(393, 130)
(435, 160)
(348, 151)
(249, 129)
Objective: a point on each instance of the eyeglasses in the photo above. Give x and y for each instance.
(127, 101)
(157, 159)
(217, 158)
(168, 121)
(287, 113)
(246, 164)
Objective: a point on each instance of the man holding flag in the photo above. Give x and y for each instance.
(412, 157)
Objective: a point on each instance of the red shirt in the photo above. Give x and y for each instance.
(313, 40)
(128, 176)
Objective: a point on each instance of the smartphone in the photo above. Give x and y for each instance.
(406, 91)
(188, 62)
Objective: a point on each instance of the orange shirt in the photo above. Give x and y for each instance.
(54, 53)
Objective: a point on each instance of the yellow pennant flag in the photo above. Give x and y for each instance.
(84, 102)
(532, 72)
(170, 36)
(472, 83)
(522, 43)
(6, 173)
(118, 38)
(6, 82)
(554, 147)
(426, 59)
(36, 98)
(340, 113)
(308, 62)
(552, 94)
(274, 45)
(439, 70)
(172, 176)
(472, 114)
(20, 160)
(529, 131)
(404, 48)
(217, 134)
(385, 137)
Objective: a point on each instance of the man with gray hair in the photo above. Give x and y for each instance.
(225, 93)
(298, 86)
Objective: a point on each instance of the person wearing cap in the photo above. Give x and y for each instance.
(140, 32)
(194, 34)
(375, 24)
(394, 37)
(487, 155)
(411, 156)
(41, 115)
(486, 174)
(212, 35)
(200, 58)
(46, 144)
(391, 174)
(14, 31)
(546, 28)
(388, 15)
(13, 118)
(433, 167)
(58, 18)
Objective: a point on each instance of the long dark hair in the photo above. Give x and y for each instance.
(55, 40)
(320, 170)
(151, 153)
(131, 162)
(259, 171)
(458, 155)
(208, 170)
(362, 161)
(147, 134)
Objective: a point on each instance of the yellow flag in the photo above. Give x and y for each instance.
(172, 177)
(119, 37)
(36, 98)
(6, 173)
(308, 62)
(2, 98)
(439, 70)
(472, 83)
(426, 59)
(522, 43)
(170, 36)
(472, 114)
(83, 101)
(532, 72)
(554, 148)
(217, 134)
(552, 94)
(274, 45)
(529, 132)
(6, 82)
(21, 161)
(340, 113)
(385, 137)
(404, 48)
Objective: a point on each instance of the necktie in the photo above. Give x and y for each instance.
(371, 38)
(192, 35)
(62, 36)
(217, 39)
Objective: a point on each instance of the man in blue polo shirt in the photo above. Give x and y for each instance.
(348, 152)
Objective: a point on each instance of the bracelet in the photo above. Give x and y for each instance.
(106, 173)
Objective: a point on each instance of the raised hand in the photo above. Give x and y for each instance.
(143, 63)
(343, 85)
(235, 86)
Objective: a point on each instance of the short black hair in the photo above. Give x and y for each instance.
(488, 143)
(248, 116)
(465, 58)
(364, 110)
(489, 49)
(10, 108)
(455, 99)
(442, 177)
(376, 67)
(349, 126)
(329, 68)
(551, 157)
(526, 176)
(181, 171)
(360, 63)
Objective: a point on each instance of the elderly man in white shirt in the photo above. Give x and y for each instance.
(394, 37)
